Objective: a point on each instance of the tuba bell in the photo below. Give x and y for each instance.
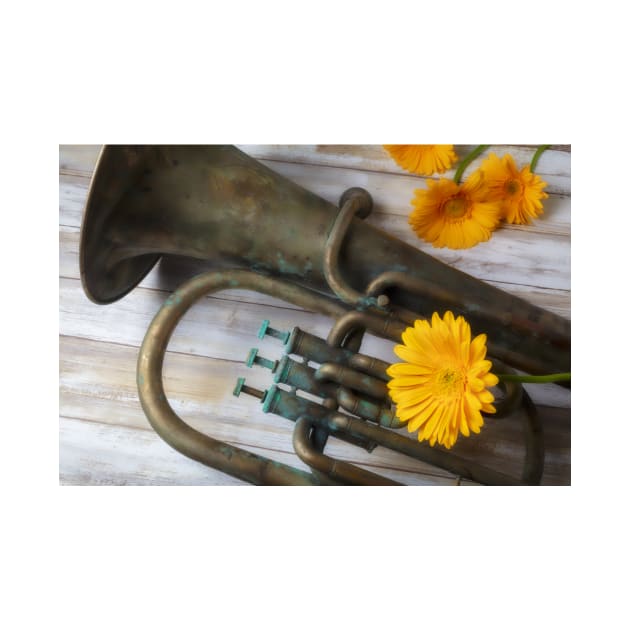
(262, 232)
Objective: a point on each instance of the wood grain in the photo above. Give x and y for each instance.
(104, 436)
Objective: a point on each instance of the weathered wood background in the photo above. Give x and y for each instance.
(104, 437)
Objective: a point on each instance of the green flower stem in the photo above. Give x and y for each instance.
(526, 378)
(539, 151)
(467, 160)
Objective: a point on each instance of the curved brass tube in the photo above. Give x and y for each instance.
(555, 328)
(355, 202)
(385, 326)
(357, 381)
(370, 365)
(381, 414)
(332, 468)
(389, 279)
(534, 442)
(192, 443)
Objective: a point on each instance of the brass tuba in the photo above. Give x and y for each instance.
(264, 233)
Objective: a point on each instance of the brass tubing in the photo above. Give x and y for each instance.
(447, 461)
(513, 392)
(534, 442)
(315, 348)
(381, 414)
(370, 365)
(355, 204)
(302, 377)
(183, 438)
(290, 406)
(400, 280)
(319, 435)
(350, 334)
(555, 327)
(382, 326)
(353, 341)
(332, 468)
(351, 378)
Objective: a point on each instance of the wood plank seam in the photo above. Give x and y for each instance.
(393, 168)
(131, 346)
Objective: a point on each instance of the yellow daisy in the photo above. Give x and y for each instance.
(519, 192)
(423, 159)
(453, 215)
(441, 389)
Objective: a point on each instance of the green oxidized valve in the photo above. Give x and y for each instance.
(253, 358)
(266, 329)
(299, 376)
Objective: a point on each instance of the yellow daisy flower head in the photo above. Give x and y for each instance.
(441, 389)
(453, 215)
(519, 192)
(423, 159)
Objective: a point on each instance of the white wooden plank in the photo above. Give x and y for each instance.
(518, 257)
(91, 453)
(78, 158)
(73, 192)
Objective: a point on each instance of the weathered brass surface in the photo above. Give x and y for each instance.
(217, 204)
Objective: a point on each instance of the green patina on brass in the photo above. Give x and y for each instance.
(254, 359)
(301, 376)
(264, 233)
(265, 329)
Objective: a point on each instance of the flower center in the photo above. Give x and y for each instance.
(513, 187)
(449, 381)
(455, 207)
